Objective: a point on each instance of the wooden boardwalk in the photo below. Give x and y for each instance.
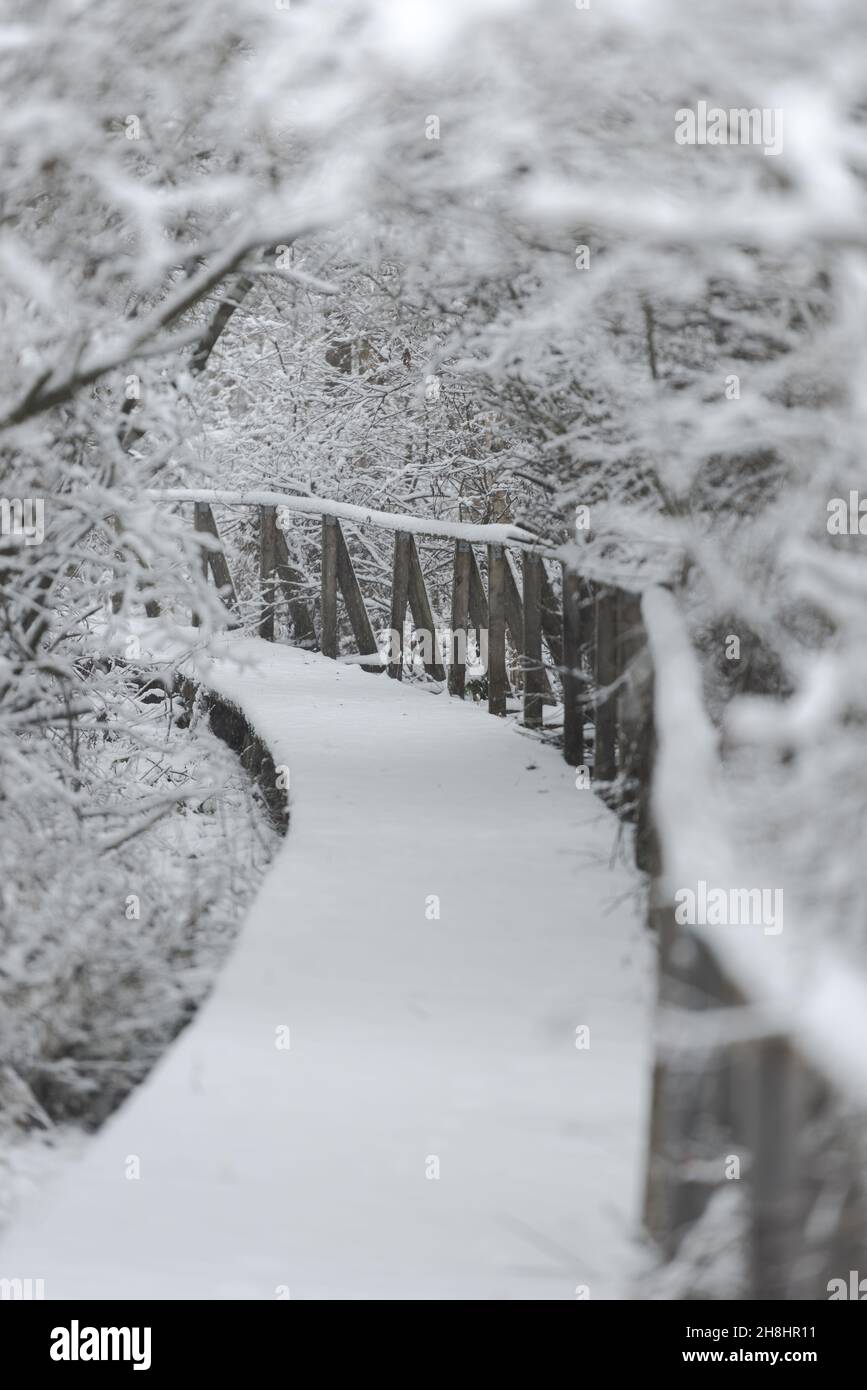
(439, 923)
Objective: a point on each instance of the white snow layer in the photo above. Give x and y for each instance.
(494, 533)
(416, 1044)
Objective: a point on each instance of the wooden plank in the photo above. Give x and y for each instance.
(573, 680)
(328, 610)
(352, 597)
(399, 600)
(422, 612)
(497, 683)
(303, 627)
(460, 618)
(605, 671)
(531, 641)
(267, 570)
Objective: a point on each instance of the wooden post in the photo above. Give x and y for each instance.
(460, 619)
(573, 681)
(267, 570)
(328, 608)
(630, 640)
(552, 623)
(201, 518)
(657, 1169)
(201, 511)
(496, 629)
(514, 604)
(216, 559)
(690, 1093)
(605, 761)
(352, 596)
(647, 849)
(479, 616)
(303, 628)
(774, 1178)
(531, 644)
(479, 612)
(399, 600)
(636, 725)
(422, 613)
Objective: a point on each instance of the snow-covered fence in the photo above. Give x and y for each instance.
(762, 1034)
(584, 640)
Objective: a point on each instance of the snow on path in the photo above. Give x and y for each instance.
(263, 1168)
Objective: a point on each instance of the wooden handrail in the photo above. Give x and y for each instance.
(805, 1039)
(479, 534)
(627, 667)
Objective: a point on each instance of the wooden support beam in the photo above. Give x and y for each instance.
(202, 517)
(460, 618)
(303, 627)
(497, 682)
(637, 735)
(573, 680)
(690, 1097)
(605, 671)
(514, 605)
(478, 598)
(399, 600)
(267, 570)
(351, 590)
(630, 640)
(535, 678)
(328, 608)
(552, 622)
(643, 760)
(777, 1213)
(422, 613)
(515, 626)
(479, 618)
(216, 559)
(200, 512)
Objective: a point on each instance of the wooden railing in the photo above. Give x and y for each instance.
(739, 1074)
(584, 642)
(760, 1076)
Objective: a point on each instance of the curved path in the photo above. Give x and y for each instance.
(432, 1131)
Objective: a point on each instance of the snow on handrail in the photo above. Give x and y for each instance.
(491, 534)
(806, 989)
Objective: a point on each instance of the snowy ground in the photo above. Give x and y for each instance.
(418, 1045)
(91, 994)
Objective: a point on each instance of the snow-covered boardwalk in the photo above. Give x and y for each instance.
(432, 1130)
